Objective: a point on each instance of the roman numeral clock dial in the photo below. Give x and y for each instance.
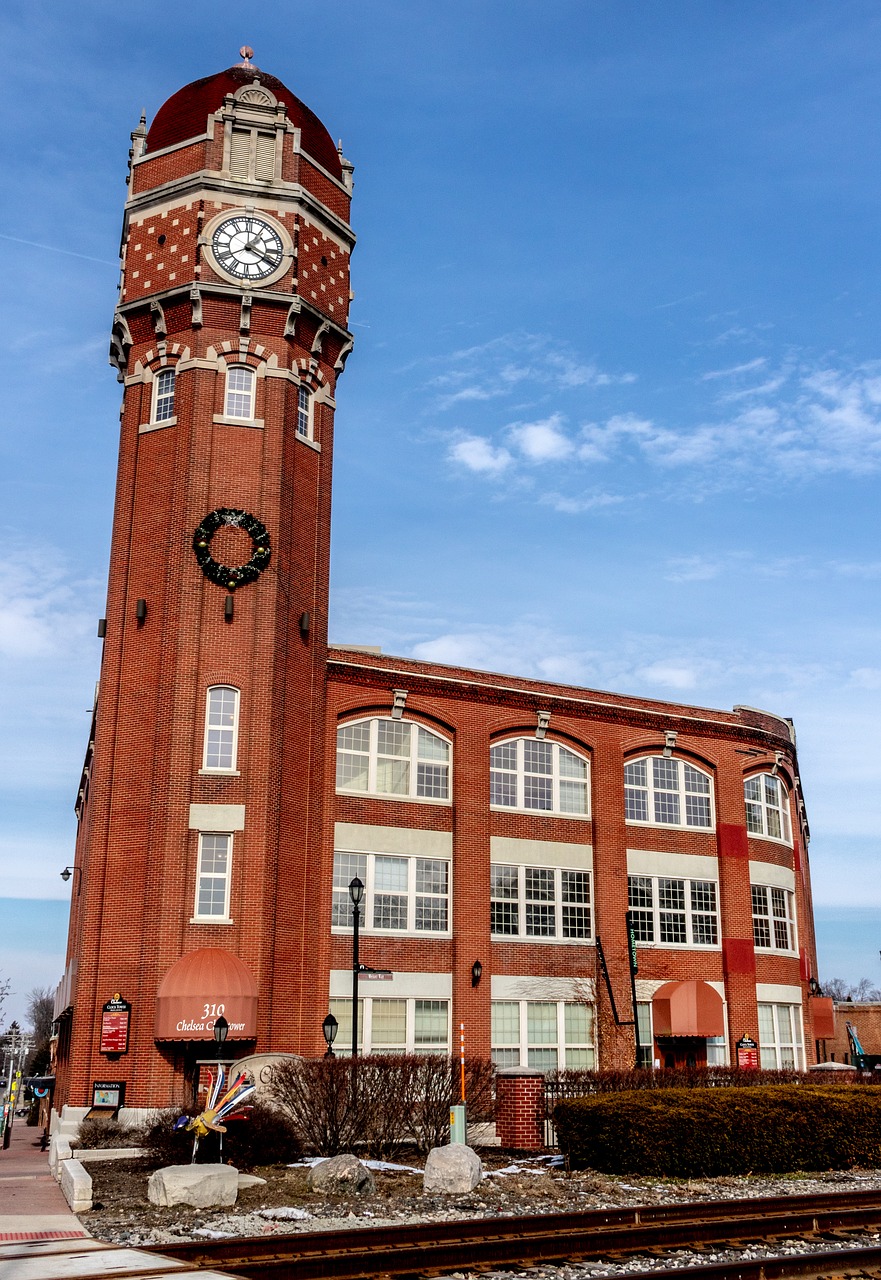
(247, 248)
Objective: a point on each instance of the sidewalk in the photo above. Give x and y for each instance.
(32, 1206)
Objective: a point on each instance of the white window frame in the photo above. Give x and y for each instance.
(205, 875)
(659, 884)
(160, 400)
(774, 1053)
(414, 761)
(233, 730)
(760, 813)
(364, 865)
(771, 918)
(653, 794)
(520, 774)
(525, 899)
(525, 1050)
(305, 403)
(341, 1008)
(250, 392)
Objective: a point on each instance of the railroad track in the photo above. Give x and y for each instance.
(486, 1244)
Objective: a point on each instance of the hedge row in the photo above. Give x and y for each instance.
(579, 1083)
(687, 1133)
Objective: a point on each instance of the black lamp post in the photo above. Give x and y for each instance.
(330, 1026)
(356, 893)
(221, 1031)
(476, 973)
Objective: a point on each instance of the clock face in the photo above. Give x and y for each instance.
(247, 248)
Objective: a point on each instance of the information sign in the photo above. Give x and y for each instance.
(114, 1025)
(747, 1053)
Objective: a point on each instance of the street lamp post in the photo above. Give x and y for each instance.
(356, 893)
(329, 1026)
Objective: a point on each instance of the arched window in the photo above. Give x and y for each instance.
(388, 757)
(536, 774)
(163, 395)
(659, 789)
(221, 729)
(767, 807)
(239, 392)
(304, 412)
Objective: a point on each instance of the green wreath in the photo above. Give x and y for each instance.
(222, 574)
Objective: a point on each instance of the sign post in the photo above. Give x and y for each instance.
(747, 1053)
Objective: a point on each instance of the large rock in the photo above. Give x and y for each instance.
(341, 1175)
(200, 1185)
(452, 1170)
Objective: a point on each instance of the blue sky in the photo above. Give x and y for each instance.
(614, 410)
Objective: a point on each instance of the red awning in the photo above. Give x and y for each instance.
(687, 1009)
(198, 989)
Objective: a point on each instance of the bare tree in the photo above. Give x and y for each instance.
(40, 1008)
(859, 992)
(5, 986)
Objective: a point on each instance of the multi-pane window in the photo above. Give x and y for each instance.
(544, 1034)
(780, 1037)
(393, 1026)
(393, 758)
(646, 1052)
(539, 902)
(239, 392)
(221, 728)
(401, 895)
(767, 807)
(773, 918)
(304, 412)
(673, 912)
(163, 396)
(535, 774)
(664, 790)
(213, 876)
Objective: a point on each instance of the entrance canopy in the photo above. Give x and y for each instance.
(687, 1009)
(201, 987)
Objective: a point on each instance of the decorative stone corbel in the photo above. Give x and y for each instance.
(120, 345)
(669, 743)
(321, 334)
(157, 315)
(196, 300)
(543, 720)
(245, 319)
(343, 356)
(290, 325)
(400, 701)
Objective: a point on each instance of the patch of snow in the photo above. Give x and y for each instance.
(285, 1213)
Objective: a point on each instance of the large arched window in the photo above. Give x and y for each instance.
(767, 807)
(388, 757)
(239, 401)
(221, 729)
(660, 789)
(536, 774)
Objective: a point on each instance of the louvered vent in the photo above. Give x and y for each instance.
(239, 153)
(265, 160)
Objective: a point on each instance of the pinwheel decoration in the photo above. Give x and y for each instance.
(221, 1106)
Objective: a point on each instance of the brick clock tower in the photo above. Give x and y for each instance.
(200, 837)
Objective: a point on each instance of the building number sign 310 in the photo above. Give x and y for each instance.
(212, 1011)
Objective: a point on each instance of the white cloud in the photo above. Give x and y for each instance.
(573, 506)
(669, 675)
(542, 441)
(479, 454)
(517, 362)
(734, 370)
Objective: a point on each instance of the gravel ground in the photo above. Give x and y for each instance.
(284, 1204)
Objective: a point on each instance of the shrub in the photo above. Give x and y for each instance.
(94, 1134)
(701, 1133)
(378, 1101)
(265, 1136)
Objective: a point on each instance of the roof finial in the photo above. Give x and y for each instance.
(247, 54)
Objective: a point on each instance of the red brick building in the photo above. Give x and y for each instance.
(240, 773)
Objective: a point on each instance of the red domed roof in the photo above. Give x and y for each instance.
(184, 115)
